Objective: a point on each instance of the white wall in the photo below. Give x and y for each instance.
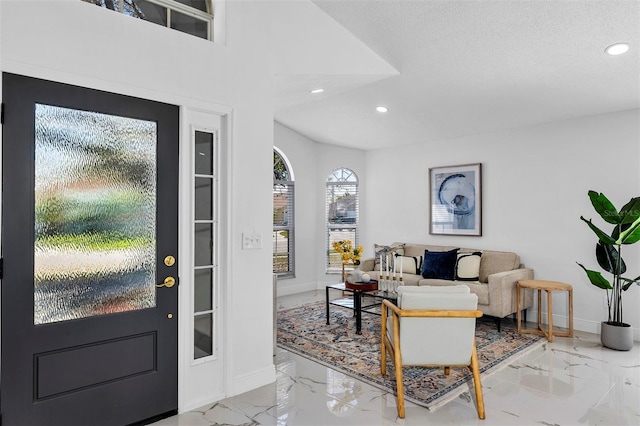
(534, 187)
(312, 163)
(78, 43)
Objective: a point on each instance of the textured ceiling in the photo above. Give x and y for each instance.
(467, 67)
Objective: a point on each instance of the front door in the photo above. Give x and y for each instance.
(89, 240)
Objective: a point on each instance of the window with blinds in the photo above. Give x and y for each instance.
(342, 212)
(283, 217)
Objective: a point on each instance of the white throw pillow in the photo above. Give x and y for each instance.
(468, 266)
(409, 264)
(384, 251)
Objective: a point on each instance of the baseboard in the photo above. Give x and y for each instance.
(253, 380)
(588, 326)
(241, 384)
(295, 289)
(201, 402)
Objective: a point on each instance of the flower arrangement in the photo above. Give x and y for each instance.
(348, 253)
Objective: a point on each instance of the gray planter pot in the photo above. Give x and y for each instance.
(616, 337)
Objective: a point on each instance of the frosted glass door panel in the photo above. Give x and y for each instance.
(95, 214)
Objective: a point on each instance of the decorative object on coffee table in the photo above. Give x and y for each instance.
(455, 199)
(362, 286)
(614, 333)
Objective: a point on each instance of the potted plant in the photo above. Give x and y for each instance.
(614, 332)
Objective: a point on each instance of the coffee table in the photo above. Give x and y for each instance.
(355, 302)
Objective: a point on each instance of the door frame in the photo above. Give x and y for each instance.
(191, 119)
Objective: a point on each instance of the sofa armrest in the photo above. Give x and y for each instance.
(502, 291)
(366, 265)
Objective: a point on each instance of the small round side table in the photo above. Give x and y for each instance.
(549, 287)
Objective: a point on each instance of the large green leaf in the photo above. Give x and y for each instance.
(631, 235)
(629, 282)
(601, 235)
(630, 212)
(607, 257)
(597, 279)
(604, 207)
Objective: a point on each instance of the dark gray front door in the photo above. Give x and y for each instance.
(89, 220)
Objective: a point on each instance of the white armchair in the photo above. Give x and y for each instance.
(431, 326)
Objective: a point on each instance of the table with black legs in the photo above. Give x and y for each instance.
(355, 300)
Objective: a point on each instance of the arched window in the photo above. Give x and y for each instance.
(342, 209)
(283, 217)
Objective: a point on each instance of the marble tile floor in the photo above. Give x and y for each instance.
(572, 381)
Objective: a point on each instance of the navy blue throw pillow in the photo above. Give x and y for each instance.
(439, 264)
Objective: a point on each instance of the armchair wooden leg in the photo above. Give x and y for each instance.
(383, 347)
(383, 358)
(475, 369)
(400, 390)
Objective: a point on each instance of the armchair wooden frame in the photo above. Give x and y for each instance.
(394, 349)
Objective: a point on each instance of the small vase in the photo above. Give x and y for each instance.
(618, 337)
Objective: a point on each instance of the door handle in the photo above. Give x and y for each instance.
(168, 282)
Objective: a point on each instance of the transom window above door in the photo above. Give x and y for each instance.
(193, 17)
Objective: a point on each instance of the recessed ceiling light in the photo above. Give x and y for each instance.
(617, 49)
(382, 108)
(314, 91)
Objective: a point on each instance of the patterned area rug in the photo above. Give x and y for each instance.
(303, 330)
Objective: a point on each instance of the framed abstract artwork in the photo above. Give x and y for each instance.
(455, 199)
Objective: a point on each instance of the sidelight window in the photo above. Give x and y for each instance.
(205, 234)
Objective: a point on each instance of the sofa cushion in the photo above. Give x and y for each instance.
(454, 289)
(418, 249)
(411, 279)
(408, 264)
(497, 261)
(439, 264)
(482, 290)
(436, 282)
(384, 251)
(468, 266)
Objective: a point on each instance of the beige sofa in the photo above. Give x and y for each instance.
(496, 287)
